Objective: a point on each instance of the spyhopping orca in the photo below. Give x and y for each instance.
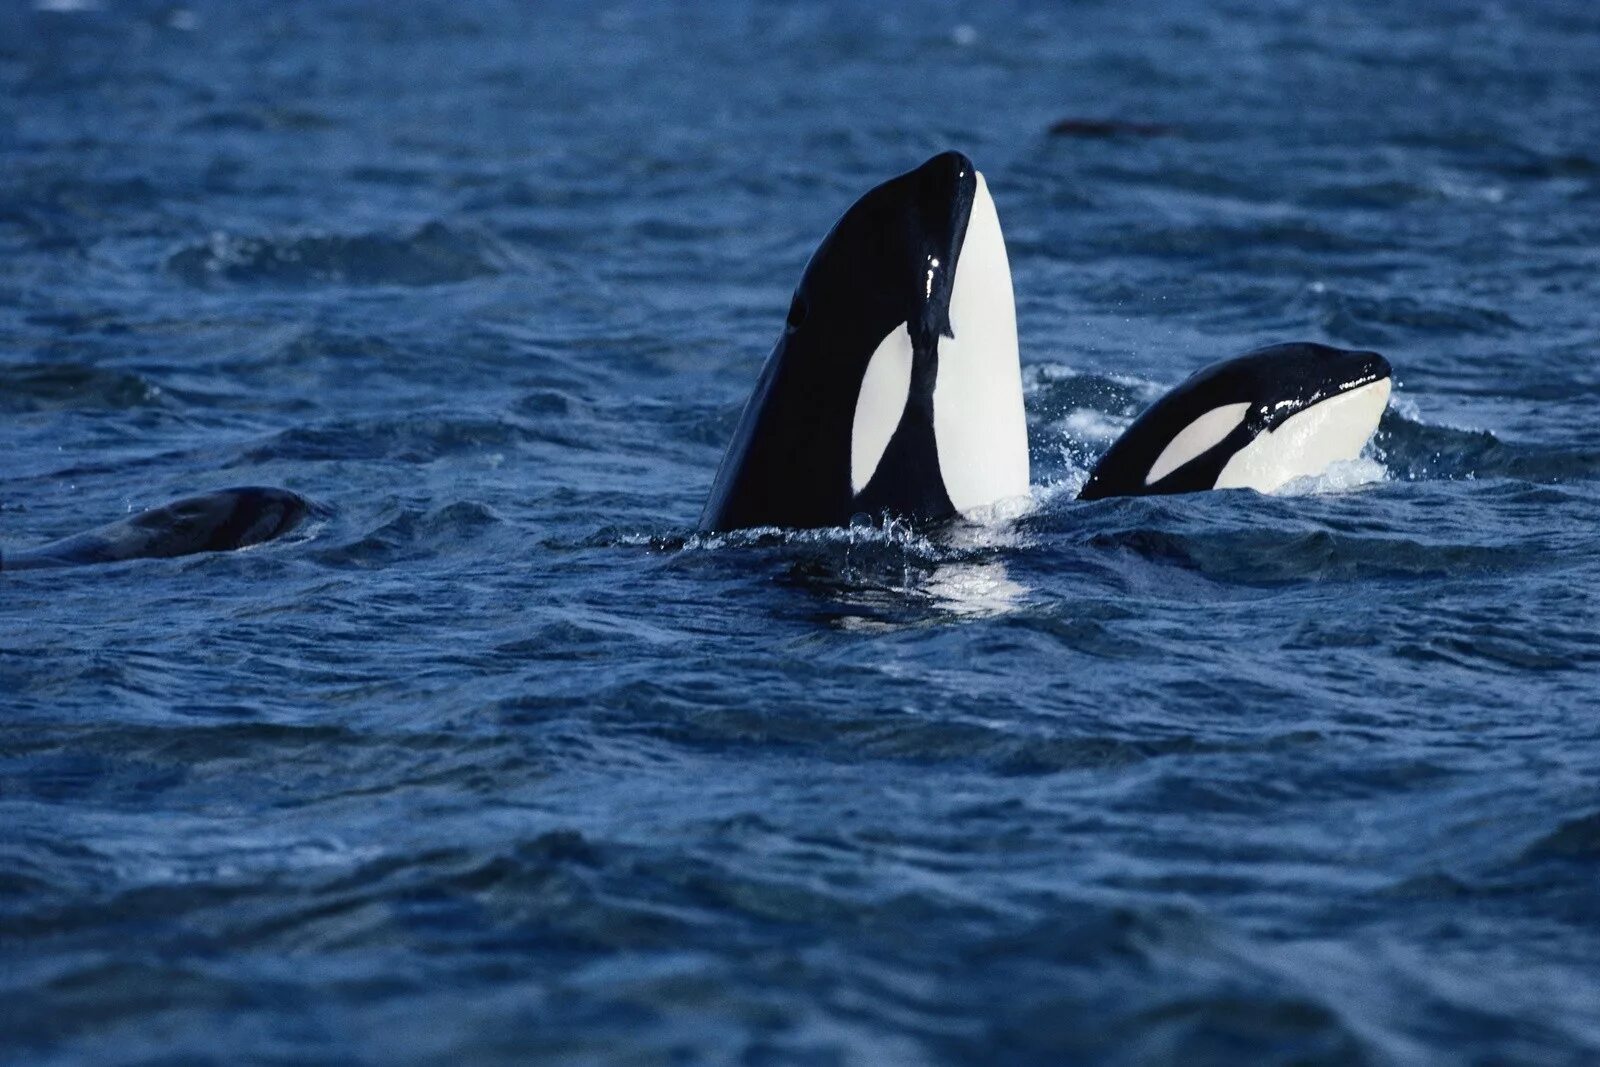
(1256, 421)
(895, 387)
(214, 522)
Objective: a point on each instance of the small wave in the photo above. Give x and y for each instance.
(1576, 839)
(422, 438)
(1055, 389)
(1530, 163)
(1414, 449)
(1245, 538)
(415, 532)
(433, 255)
(1265, 240)
(1366, 320)
(1391, 193)
(255, 120)
(71, 386)
(69, 211)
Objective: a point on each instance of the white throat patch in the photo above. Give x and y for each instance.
(1309, 441)
(979, 424)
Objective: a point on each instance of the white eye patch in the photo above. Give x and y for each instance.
(1193, 440)
(885, 388)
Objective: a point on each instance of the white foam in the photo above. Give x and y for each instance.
(1089, 425)
(1339, 477)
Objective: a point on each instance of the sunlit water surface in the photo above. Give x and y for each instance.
(501, 762)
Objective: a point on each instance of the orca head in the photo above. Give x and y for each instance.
(260, 513)
(895, 387)
(1256, 421)
(217, 522)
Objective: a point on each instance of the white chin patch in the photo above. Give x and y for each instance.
(978, 420)
(880, 405)
(1201, 435)
(1308, 442)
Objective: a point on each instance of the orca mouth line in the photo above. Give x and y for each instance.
(1269, 417)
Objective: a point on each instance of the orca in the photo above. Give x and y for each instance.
(1256, 421)
(895, 388)
(213, 522)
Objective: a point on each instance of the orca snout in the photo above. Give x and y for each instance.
(1362, 367)
(945, 186)
(945, 169)
(942, 192)
(262, 514)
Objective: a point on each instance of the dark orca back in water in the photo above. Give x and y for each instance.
(895, 387)
(1256, 421)
(213, 522)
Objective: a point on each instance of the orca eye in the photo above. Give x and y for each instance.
(797, 312)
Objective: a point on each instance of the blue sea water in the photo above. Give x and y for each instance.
(498, 762)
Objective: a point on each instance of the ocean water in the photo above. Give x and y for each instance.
(498, 762)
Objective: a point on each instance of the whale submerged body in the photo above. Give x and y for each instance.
(213, 522)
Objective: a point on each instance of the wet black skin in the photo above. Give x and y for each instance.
(789, 461)
(214, 522)
(1277, 382)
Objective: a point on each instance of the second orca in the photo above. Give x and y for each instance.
(1257, 421)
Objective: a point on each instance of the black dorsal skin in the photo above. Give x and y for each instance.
(214, 522)
(1277, 382)
(891, 259)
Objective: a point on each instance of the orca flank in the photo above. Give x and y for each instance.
(895, 387)
(1256, 421)
(213, 522)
